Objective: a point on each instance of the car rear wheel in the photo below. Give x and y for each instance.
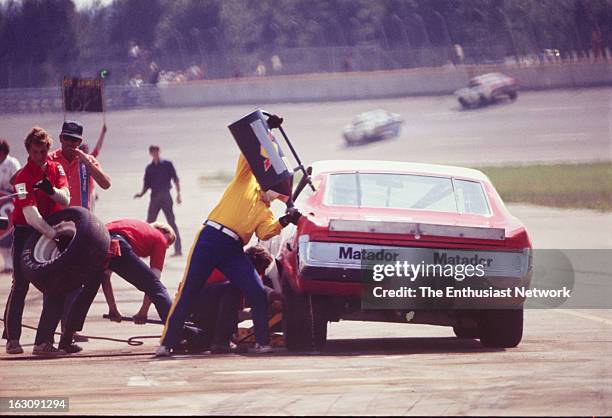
(304, 320)
(501, 328)
(513, 95)
(465, 332)
(464, 103)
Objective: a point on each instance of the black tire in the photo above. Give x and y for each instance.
(304, 320)
(464, 103)
(59, 271)
(513, 95)
(463, 332)
(501, 328)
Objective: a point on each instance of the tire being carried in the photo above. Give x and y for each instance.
(62, 265)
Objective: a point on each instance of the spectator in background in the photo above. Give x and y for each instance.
(8, 167)
(277, 64)
(260, 70)
(158, 175)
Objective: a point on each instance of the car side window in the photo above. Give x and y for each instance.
(471, 197)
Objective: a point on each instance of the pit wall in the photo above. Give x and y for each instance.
(316, 87)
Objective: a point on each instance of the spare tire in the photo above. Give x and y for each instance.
(60, 266)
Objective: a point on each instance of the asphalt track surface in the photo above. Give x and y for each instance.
(562, 367)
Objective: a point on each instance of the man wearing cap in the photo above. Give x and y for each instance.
(158, 175)
(244, 210)
(82, 169)
(82, 172)
(43, 191)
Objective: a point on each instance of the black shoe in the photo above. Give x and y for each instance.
(220, 349)
(70, 348)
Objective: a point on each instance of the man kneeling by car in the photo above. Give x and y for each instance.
(217, 309)
(130, 240)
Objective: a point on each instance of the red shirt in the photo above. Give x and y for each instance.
(80, 182)
(29, 175)
(145, 240)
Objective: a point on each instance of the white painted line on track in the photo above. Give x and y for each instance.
(141, 381)
(585, 316)
(561, 137)
(294, 371)
(554, 109)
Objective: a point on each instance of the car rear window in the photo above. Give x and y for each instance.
(406, 191)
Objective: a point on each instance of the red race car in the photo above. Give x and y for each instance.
(368, 217)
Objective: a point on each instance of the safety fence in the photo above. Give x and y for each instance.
(50, 99)
(352, 85)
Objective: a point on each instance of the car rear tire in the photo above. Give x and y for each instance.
(513, 95)
(464, 332)
(60, 267)
(501, 328)
(304, 320)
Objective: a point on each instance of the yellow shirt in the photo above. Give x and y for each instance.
(242, 209)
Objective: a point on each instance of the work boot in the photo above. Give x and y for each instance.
(46, 349)
(70, 348)
(162, 351)
(263, 349)
(220, 349)
(13, 347)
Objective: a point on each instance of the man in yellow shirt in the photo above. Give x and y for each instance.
(243, 210)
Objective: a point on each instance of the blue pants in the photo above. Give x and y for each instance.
(163, 201)
(213, 249)
(70, 299)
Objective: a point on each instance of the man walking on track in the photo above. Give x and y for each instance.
(158, 175)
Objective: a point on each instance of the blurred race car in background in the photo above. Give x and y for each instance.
(487, 88)
(372, 126)
(377, 210)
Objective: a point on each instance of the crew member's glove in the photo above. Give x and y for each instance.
(293, 216)
(45, 185)
(274, 121)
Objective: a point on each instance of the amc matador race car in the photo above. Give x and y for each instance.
(386, 212)
(487, 88)
(372, 126)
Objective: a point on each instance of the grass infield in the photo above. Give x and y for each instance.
(567, 185)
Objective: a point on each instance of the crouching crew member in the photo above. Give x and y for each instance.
(217, 308)
(244, 210)
(130, 240)
(44, 189)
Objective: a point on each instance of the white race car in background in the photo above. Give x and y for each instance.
(371, 126)
(487, 88)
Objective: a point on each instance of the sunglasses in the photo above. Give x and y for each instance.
(70, 139)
